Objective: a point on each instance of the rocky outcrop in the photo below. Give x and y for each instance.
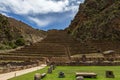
(97, 20)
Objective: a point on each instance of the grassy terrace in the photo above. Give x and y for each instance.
(70, 73)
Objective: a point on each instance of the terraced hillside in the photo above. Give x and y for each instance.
(106, 45)
(60, 44)
(56, 44)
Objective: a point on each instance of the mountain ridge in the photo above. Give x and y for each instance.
(97, 20)
(15, 33)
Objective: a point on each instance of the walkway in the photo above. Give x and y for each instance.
(9, 75)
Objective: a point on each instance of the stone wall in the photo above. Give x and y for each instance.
(93, 61)
(9, 67)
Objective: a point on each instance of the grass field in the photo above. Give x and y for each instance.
(70, 73)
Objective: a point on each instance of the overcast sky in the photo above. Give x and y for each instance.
(41, 14)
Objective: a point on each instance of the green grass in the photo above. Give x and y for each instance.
(70, 73)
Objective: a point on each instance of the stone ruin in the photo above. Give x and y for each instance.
(80, 78)
(49, 70)
(43, 75)
(110, 74)
(86, 74)
(83, 58)
(37, 76)
(52, 67)
(61, 75)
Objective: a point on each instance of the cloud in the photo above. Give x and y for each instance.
(5, 14)
(35, 6)
(33, 9)
(40, 22)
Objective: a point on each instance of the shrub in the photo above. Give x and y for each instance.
(20, 42)
(3, 47)
(12, 45)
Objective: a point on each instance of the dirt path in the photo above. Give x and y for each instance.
(6, 76)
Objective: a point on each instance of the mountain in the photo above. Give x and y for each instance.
(97, 20)
(15, 33)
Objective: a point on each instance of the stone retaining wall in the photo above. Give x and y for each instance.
(93, 61)
(17, 67)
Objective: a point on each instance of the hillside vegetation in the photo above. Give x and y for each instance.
(15, 33)
(97, 20)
